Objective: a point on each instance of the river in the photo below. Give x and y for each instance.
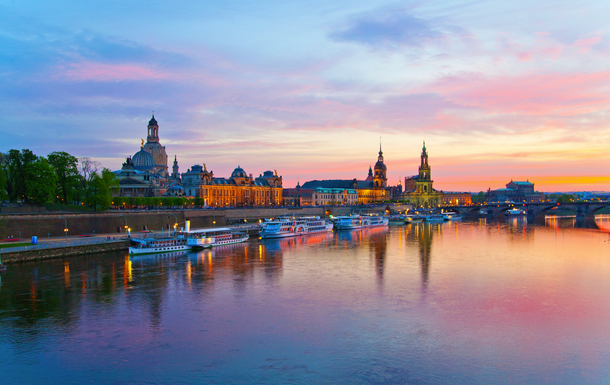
(450, 303)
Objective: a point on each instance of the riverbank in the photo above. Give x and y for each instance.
(48, 225)
(39, 252)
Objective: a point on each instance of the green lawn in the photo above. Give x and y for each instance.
(16, 244)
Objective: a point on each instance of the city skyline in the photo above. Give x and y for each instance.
(498, 91)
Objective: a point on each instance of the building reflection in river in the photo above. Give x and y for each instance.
(423, 233)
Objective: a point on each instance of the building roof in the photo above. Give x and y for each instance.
(527, 183)
(142, 160)
(239, 173)
(335, 190)
(338, 183)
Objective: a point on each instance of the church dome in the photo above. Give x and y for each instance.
(152, 121)
(238, 173)
(380, 165)
(143, 161)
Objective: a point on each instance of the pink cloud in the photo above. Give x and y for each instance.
(562, 94)
(586, 43)
(110, 72)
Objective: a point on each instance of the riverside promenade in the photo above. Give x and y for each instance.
(22, 250)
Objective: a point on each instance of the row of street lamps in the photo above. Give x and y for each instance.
(126, 226)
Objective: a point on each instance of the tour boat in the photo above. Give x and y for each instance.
(452, 216)
(292, 227)
(434, 218)
(396, 220)
(216, 236)
(351, 222)
(414, 218)
(159, 245)
(515, 212)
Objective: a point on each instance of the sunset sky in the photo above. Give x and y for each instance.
(499, 90)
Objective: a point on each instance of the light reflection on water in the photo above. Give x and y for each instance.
(472, 302)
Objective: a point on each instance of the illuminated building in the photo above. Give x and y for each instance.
(371, 190)
(418, 188)
(145, 173)
(240, 189)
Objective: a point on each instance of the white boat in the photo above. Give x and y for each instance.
(396, 219)
(159, 245)
(414, 218)
(452, 216)
(434, 218)
(292, 227)
(515, 212)
(216, 236)
(351, 222)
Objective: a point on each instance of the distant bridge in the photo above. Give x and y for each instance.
(535, 211)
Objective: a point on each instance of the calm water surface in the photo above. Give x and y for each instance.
(459, 303)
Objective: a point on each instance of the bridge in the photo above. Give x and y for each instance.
(535, 211)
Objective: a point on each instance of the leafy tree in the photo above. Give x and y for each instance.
(16, 176)
(99, 189)
(198, 201)
(66, 169)
(111, 181)
(40, 181)
(140, 201)
(3, 193)
(98, 194)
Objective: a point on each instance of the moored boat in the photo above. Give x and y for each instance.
(434, 218)
(452, 216)
(217, 236)
(159, 245)
(414, 218)
(515, 212)
(396, 219)
(292, 227)
(351, 222)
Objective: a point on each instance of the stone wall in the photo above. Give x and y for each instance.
(52, 225)
(44, 225)
(60, 252)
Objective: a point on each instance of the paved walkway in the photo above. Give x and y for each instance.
(54, 242)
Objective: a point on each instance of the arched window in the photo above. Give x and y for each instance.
(425, 188)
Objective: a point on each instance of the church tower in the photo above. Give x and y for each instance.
(154, 148)
(175, 170)
(380, 179)
(424, 181)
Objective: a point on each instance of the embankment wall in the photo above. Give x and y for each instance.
(52, 224)
(59, 252)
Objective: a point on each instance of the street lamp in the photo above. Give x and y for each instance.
(175, 223)
(121, 215)
(65, 227)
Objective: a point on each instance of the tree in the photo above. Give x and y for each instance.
(98, 194)
(111, 181)
(3, 193)
(16, 175)
(40, 181)
(66, 169)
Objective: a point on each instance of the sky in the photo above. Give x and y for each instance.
(499, 90)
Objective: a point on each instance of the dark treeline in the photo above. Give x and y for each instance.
(59, 178)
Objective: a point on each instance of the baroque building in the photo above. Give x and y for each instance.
(419, 189)
(145, 173)
(239, 190)
(373, 189)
